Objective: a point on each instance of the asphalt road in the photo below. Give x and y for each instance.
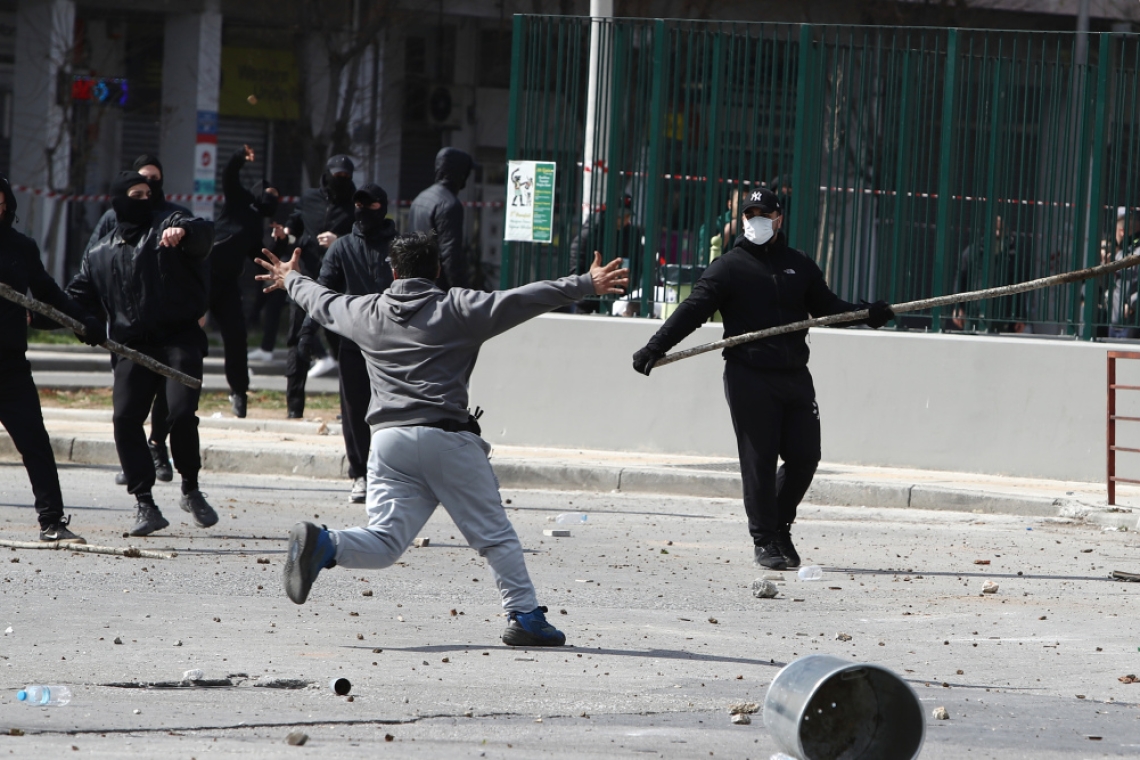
(655, 591)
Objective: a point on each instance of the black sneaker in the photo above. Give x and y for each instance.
(791, 556)
(296, 414)
(60, 533)
(237, 404)
(770, 556)
(162, 469)
(531, 629)
(195, 503)
(121, 478)
(149, 520)
(311, 550)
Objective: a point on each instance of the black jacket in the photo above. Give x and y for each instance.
(438, 208)
(754, 288)
(150, 294)
(319, 213)
(22, 270)
(238, 230)
(357, 264)
(106, 224)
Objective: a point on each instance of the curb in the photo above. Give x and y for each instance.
(543, 475)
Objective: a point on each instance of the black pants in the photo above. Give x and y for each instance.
(225, 308)
(159, 424)
(296, 366)
(355, 394)
(134, 393)
(272, 304)
(21, 417)
(775, 416)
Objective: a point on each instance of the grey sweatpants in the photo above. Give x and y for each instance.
(411, 471)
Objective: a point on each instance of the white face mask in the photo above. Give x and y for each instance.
(758, 230)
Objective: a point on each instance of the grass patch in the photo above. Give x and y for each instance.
(53, 337)
(261, 403)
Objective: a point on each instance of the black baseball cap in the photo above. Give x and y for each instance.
(763, 199)
(371, 193)
(340, 163)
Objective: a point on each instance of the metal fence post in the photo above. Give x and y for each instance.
(945, 168)
(1096, 163)
(653, 168)
(800, 159)
(506, 264)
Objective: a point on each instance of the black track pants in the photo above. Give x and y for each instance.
(225, 308)
(355, 393)
(775, 417)
(21, 417)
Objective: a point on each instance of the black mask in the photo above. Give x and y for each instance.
(157, 196)
(340, 188)
(267, 205)
(370, 219)
(133, 214)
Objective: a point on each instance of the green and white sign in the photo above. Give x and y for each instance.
(530, 201)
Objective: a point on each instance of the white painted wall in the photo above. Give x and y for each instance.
(1023, 407)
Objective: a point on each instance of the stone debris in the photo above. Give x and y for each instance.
(117, 640)
(296, 738)
(367, 592)
(740, 708)
(557, 533)
(842, 637)
(989, 587)
(713, 620)
(178, 643)
(764, 589)
(420, 543)
(741, 719)
(1130, 678)
(940, 713)
(981, 562)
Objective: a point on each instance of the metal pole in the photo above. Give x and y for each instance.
(1110, 452)
(597, 142)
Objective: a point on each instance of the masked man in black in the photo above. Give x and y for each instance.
(762, 283)
(22, 270)
(357, 265)
(439, 208)
(150, 167)
(238, 237)
(327, 213)
(150, 278)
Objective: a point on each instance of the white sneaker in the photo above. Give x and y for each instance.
(359, 491)
(260, 355)
(323, 366)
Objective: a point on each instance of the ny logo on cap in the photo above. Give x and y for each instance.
(757, 196)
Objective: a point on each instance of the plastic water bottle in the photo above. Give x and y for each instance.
(571, 517)
(44, 695)
(810, 573)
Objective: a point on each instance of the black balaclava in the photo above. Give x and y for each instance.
(157, 196)
(370, 219)
(340, 188)
(9, 202)
(452, 167)
(134, 215)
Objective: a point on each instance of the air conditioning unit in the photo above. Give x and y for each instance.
(445, 106)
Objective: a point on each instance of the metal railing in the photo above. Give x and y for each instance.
(912, 161)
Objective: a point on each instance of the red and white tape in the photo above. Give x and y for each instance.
(40, 192)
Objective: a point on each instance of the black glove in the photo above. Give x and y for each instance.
(645, 358)
(881, 313)
(307, 345)
(96, 332)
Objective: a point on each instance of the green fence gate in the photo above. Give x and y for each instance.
(912, 161)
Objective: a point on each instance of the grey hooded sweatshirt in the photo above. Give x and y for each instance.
(420, 343)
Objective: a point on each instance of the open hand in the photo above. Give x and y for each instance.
(277, 269)
(608, 279)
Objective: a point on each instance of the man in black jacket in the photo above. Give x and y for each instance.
(357, 265)
(150, 167)
(763, 283)
(151, 281)
(22, 270)
(238, 237)
(438, 208)
(326, 213)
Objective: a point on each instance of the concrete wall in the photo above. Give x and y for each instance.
(1007, 406)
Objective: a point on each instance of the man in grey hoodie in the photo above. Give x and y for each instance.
(420, 344)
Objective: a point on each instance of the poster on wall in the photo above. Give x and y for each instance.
(530, 201)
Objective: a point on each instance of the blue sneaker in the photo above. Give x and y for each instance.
(311, 550)
(530, 629)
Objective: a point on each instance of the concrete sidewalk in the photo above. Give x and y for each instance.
(314, 448)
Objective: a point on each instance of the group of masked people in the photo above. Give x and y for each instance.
(151, 272)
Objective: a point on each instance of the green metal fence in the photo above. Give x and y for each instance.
(913, 161)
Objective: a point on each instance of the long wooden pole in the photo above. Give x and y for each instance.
(129, 551)
(902, 308)
(75, 325)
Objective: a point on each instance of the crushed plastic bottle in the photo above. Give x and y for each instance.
(193, 675)
(39, 695)
(810, 573)
(571, 517)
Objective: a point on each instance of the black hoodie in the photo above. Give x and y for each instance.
(438, 208)
(239, 229)
(23, 271)
(755, 287)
